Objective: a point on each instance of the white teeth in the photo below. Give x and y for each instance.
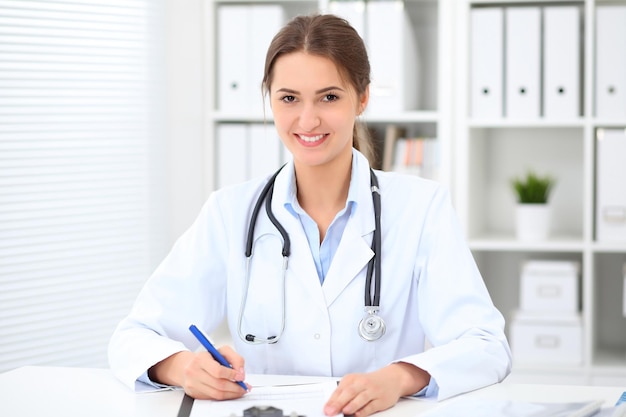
(311, 138)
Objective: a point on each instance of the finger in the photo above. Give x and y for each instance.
(226, 390)
(236, 361)
(209, 365)
(370, 408)
(216, 380)
(357, 403)
(346, 391)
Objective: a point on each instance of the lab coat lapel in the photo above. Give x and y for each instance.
(351, 258)
(354, 251)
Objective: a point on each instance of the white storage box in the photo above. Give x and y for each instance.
(547, 340)
(549, 286)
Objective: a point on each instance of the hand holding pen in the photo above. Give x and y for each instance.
(204, 340)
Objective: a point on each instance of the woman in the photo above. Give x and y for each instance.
(310, 320)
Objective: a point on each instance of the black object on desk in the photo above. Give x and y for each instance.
(268, 411)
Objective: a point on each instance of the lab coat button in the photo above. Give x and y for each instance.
(316, 336)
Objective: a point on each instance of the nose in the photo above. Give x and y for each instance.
(309, 118)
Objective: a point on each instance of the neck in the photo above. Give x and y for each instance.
(323, 191)
(324, 185)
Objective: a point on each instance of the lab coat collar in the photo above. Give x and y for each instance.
(354, 249)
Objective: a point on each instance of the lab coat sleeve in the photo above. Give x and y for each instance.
(470, 350)
(188, 287)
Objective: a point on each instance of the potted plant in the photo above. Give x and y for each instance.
(533, 209)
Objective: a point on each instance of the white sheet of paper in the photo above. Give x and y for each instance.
(303, 399)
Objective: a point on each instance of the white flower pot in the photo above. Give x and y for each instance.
(532, 222)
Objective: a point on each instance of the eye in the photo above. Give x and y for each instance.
(330, 97)
(288, 99)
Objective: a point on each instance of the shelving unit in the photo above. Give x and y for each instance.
(478, 158)
(431, 21)
(489, 153)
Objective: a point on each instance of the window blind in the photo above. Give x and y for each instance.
(80, 146)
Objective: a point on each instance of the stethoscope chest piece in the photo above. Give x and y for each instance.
(372, 327)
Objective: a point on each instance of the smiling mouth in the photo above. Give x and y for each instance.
(311, 139)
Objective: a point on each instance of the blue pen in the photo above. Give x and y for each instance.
(216, 355)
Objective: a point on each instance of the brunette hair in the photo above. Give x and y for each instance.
(331, 37)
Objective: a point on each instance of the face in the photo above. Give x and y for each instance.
(314, 109)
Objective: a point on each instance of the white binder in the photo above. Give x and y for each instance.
(486, 57)
(392, 51)
(610, 187)
(264, 149)
(353, 11)
(244, 34)
(561, 62)
(523, 62)
(232, 57)
(265, 21)
(610, 61)
(232, 154)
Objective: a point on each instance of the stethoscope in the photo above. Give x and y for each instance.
(372, 326)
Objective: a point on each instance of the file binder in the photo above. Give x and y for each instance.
(232, 149)
(265, 21)
(610, 61)
(232, 51)
(523, 69)
(610, 188)
(264, 149)
(487, 59)
(561, 62)
(244, 34)
(393, 58)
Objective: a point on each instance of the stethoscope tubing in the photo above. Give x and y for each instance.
(266, 195)
(376, 248)
(373, 267)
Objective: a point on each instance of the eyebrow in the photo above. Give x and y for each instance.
(320, 91)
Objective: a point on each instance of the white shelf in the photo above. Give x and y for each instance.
(489, 153)
(518, 2)
(609, 123)
(404, 117)
(506, 123)
(606, 247)
(219, 117)
(510, 244)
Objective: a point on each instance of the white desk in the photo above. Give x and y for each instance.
(34, 391)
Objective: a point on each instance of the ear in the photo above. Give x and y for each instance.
(363, 100)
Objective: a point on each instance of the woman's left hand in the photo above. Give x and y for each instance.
(364, 394)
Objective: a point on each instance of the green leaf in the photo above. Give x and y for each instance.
(532, 189)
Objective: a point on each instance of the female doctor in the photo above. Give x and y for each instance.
(349, 271)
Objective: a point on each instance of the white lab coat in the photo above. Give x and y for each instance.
(430, 289)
